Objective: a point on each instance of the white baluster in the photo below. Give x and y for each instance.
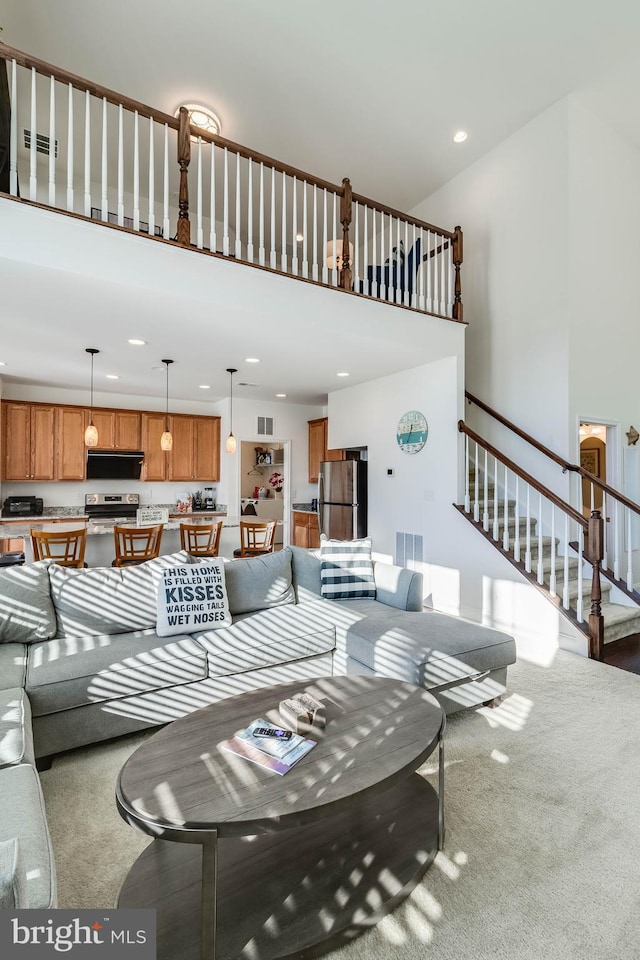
(420, 267)
(428, 267)
(496, 516)
(70, 150)
(52, 143)
(314, 265)
(505, 512)
(356, 248)
(476, 478)
(412, 281)
(485, 511)
(33, 169)
(120, 166)
(225, 205)
(105, 177)
(629, 552)
(166, 226)
(616, 539)
(593, 498)
(398, 283)
(294, 228)
(283, 253)
(383, 286)
(450, 279)
(527, 551)
(199, 219)
(136, 171)
(552, 575)
(516, 522)
(334, 272)
(579, 604)
(436, 278)
(443, 275)
(365, 252)
(238, 210)
(305, 231)
(467, 499)
(605, 529)
(250, 214)
(540, 576)
(87, 154)
(272, 257)
(565, 547)
(213, 235)
(13, 149)
(392, 283)
(152, 180)
(325, 269)
(373, 291)
(262, 253)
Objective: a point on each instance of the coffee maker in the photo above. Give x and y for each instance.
(208, 499)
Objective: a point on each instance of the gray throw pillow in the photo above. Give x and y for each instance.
(26, 608)
(13, 881)
(258, 583)
(346, 569)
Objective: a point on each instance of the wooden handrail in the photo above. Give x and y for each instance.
(383, 208)
(573, 467)
(549, 494)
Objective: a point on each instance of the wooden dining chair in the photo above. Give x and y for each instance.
(136, 544)
(201, 539)
(256, 538)
(65, 547)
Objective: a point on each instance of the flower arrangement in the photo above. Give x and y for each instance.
(276, 480)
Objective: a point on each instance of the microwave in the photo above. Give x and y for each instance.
(22, 507)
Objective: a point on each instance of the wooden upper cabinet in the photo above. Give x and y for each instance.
(118, 429)
(28, 441)
(105, 423)
(71, 453)
(181, 455)
(155, 465)
(335, 455)
(317, 446)
(206, 453)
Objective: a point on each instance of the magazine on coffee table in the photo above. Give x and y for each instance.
(270, 752)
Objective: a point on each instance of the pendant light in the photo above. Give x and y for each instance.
(231, 445)
(166, 440)
(91, 433)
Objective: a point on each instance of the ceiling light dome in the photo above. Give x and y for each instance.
(460, 136)
(202, 117)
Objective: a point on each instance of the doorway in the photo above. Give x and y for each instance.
(599, 454)
(260, 466)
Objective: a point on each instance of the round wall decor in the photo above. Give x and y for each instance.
(412, 431)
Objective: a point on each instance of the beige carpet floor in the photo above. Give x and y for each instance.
(542, 856)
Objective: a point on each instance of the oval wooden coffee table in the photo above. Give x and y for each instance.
(269, 866)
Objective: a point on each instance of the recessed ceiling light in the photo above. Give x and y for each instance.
(3, 363)
(281, 395)
(251, 360)
(112, 376)
(460, 136)
(204, 386)
(343, 374)
(138, 343)
(299, 237)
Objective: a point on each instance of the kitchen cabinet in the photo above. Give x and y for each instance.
(195, 454)
(117, 429)
(71, 457)
(155, 466)
(206, 452)
(28, 441)
(318, 430)
(305, 531)
(180, 465)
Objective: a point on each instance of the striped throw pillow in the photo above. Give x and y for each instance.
(346, 569)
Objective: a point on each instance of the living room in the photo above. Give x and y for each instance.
(523, 205)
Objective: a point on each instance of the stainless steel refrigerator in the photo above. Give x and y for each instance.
(342, 499)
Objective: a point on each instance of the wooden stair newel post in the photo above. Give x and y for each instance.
(595, 541)
(346, 275)
(458, 257)
(184, 158)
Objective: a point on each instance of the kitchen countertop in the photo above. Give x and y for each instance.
(14, 528)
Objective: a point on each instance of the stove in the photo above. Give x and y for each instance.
(111, 506)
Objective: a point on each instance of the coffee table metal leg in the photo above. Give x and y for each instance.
(208, 919)
(441, 786)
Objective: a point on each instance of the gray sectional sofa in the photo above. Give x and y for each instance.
(80, 662)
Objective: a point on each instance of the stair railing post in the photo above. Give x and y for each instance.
(184, 158)
(346, 275)
(458, 257)
(595, 554)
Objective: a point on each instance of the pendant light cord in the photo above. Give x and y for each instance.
(91, 402)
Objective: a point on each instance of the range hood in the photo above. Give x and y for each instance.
(114, 464)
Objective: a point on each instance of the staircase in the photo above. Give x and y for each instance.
(539, 558)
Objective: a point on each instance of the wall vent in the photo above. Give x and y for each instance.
(43, 144)
(409, 547)
(265, 426)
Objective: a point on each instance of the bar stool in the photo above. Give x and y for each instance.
(256, 538)
(201, 539)
(136, 544)
(65, 547)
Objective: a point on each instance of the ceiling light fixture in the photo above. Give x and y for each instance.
(281, 396)
(91, 433)
(3, 363)
(166, 440)
(299, 237)
(231, 445)
(204, 386)
(112, 376)
(251, 360)
(342, 374)
(460, 136)
(202, 117)
(138, 343)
